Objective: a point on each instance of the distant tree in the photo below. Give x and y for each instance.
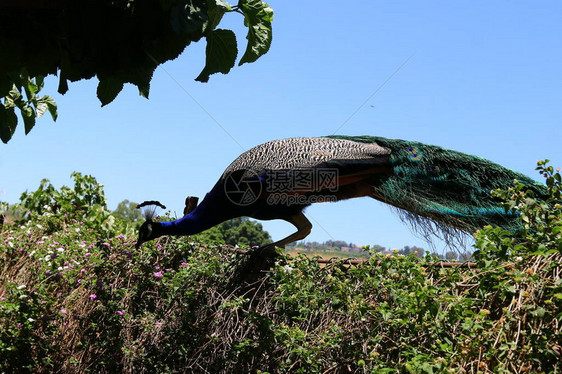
(334, 244)
(451, 255)
(241, 231)
(438, 255)
(466, 256)
(378, 248)
(406, 250)
(416, 251)
(300, 244)
(127, 211)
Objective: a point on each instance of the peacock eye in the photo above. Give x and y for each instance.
(414, 153)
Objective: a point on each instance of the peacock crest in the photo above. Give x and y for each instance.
(149, 209)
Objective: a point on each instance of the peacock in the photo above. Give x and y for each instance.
(432, 187)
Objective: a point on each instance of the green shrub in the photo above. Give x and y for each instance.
(76, 297)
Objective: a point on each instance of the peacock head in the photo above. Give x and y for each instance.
(149, 230)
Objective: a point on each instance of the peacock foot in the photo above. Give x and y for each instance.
(268, 251)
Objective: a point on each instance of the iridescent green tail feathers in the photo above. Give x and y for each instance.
(439, 188)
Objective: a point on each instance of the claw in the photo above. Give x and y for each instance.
(267, 251)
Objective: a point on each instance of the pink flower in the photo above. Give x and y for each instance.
(158, 274)
(93, 296)
(120, 313)
(185, 264)
(63, 311)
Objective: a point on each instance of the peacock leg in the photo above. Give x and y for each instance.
(303, 226)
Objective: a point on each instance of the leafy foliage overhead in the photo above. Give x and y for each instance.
(119, 41)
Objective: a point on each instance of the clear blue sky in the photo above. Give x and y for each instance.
(483, 78)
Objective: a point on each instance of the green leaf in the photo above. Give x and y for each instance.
(167, 4)
(28, 115)
(40, 108)
(539, 312)
(63, 84)
(51, 106)
(257, 17)
(29, 88)
(9, 102)
(220, 53)
(32, 87)
(187, 17)
(8, 123)
(15, 97)
(5, 86)
(144, 90)
(39, 81)
(108, 89)
(216, 10)
(27, 111)
(65, 66)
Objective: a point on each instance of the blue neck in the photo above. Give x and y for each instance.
(193, 223)
(214, 209)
